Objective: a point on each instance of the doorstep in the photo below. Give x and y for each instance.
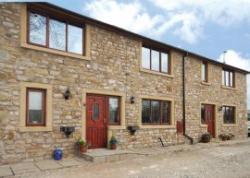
(103, 155)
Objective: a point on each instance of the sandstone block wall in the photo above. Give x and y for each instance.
(114, 65)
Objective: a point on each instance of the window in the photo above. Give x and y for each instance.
(228, 114)
(228, 78)
(56, 34)
(114, 110)
(35, 109)
(155, 60)
(204, 72)
(156, 112)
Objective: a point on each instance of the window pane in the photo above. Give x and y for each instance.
(166, 112)
(155, 106)
(145, 111)
(57, 33)
(227, 78)
(145, 58)
(231, 79)
(203, 114)
(95, 113)
(35, 108)
(164, 62)
(204, 72)
(113, 110)
(223, 77)
(37, 29)
(155, 55)
(75, 39)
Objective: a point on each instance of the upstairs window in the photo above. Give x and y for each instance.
(59, 34)
(155, 60)
(156, 112)
(204, 72)
(228, 114)
(228, 78)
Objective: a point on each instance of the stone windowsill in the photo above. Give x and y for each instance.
(228, 88)
(54, 51)
(156, 73)
(205, 83)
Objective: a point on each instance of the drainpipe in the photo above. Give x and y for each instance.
(184, 98)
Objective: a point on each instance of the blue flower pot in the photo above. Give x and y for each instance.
(58, 153)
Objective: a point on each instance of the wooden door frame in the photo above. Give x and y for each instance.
(122, 96)
(215, 117)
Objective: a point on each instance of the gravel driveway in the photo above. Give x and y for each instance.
(203, 160)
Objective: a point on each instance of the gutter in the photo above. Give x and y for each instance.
(184, 98)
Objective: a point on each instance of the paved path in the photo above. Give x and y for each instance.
(229, 160)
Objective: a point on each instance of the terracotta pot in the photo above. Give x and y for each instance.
(113, 146)
(83, 148)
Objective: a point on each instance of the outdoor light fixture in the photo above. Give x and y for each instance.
(132, 99)
(220, 108)
(67, 94)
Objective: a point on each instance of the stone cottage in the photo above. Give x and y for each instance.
(61, 72)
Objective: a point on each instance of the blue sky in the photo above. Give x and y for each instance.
(206, 27)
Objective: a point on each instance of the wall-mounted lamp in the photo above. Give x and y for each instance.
(220, 108)
(132, 99)
(67, 94)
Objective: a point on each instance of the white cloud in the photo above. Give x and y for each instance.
(220, 12)
(131, 16)
(184, 18)
(235, 59)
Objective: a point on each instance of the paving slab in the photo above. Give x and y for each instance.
(48, 165)
(5, 171)
(22, 168)
(69, 162)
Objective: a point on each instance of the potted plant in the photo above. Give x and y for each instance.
(205, 138)
(113, 142)
(83, 146)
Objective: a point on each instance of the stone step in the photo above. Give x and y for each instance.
(106, 155)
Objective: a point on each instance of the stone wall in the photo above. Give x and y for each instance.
(216, 94)
(114, 66)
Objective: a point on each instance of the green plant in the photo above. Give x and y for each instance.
(113, 140)
(81, 142)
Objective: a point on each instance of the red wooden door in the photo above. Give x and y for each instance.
(209, 118)
(96, 122)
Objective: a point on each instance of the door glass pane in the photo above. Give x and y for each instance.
(57, 33)
(75, 39)
(145, 111)
(95, 112)
(203, 121)
(166, 112)
(145, 58)
(155, 55)
(113, 110)
(37, 29)
(35, 109)
(164, 62)
(155, 106)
